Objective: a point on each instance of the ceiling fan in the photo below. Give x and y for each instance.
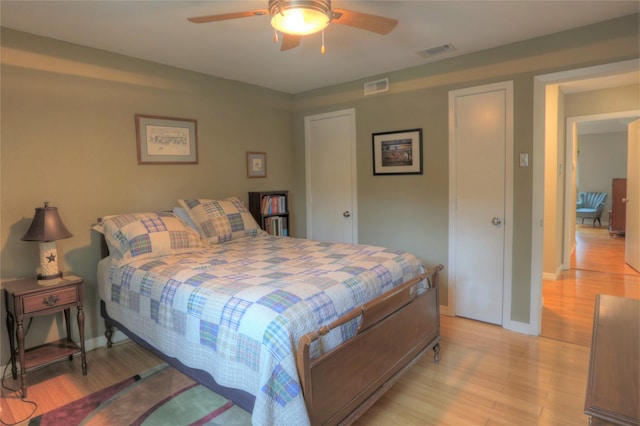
(295, 18)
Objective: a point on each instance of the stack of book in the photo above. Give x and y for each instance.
(273, 204)
(276, 225)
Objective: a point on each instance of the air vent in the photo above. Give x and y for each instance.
(373, 87)
(438, 50)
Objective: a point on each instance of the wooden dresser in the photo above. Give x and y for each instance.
(613, 386)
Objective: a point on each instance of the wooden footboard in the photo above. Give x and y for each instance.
(396, 329)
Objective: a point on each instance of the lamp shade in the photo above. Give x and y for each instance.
(46, 226)
(300, 17)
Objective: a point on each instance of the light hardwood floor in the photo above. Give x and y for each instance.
(487, 375)
(597, 267)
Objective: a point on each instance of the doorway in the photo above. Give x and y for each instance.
(541, 102)
(615, 122)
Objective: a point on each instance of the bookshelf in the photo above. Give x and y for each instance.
(271, 210)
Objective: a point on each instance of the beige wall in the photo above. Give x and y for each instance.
(623, 98)
(602, 157)
(68, 137)
(411, 212)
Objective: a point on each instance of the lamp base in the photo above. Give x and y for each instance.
(48, 261)
(50, 277)
(47, 280)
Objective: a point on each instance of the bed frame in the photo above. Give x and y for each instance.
(396, 330)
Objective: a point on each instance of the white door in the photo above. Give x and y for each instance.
(481, 152)
(330, 152)
(632, 231)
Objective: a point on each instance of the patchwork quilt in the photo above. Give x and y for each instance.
(237, 309)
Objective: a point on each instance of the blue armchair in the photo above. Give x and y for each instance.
(590, 205)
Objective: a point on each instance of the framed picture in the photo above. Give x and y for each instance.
(256, 164)
(397, 153)
(166, 140)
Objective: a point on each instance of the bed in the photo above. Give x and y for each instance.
(295, 331)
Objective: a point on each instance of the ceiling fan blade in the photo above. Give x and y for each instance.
(289, 41)
(227, 16)
(364, 21)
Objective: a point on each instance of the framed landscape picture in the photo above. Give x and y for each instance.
(397, 152)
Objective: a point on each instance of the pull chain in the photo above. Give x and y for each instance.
(275, 36)
(322, 49)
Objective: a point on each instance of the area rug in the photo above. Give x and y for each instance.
(158, 397)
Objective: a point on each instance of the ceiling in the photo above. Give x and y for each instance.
(243, 49)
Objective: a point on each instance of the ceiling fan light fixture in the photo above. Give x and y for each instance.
(300, 17)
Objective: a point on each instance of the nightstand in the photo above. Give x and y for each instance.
(25, 299)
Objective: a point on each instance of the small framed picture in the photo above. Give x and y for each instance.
(166, 140)
(397, 152)
(256, 164)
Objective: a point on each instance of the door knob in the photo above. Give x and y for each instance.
(346, 213)
(496, 221)
(625, 200)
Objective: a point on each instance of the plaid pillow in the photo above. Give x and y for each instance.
(141, 235)
(221, 220)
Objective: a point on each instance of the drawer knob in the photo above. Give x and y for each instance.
(51, 300)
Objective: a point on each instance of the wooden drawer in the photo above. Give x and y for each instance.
(49, 299)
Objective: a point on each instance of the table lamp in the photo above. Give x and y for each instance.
(46, 228)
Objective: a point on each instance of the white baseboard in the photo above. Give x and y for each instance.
(444, 310)
(553, 276)
(518, 327)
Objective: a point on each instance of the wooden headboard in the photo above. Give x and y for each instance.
(104, 248)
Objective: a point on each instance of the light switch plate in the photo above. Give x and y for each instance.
(524, 160)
